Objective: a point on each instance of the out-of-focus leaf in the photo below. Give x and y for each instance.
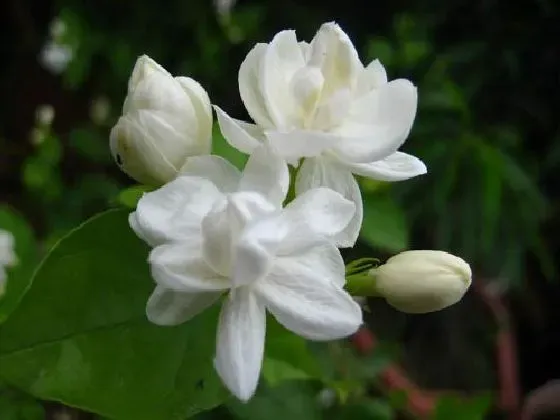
(385, 225)
(289, 355)
(414, 51)
(475, 408)
(492, 182)
(276, 371)
(50, 150)
(381, 49)
(371, 409)
(289, 400)
(15, 405)
(89, 144)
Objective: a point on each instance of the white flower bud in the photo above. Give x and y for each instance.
(8, 257)
(165, 120)
(44, 115)
(422, 281)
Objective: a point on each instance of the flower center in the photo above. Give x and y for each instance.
(319, 109)
(223, 225)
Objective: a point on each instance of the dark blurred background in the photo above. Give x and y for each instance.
(488, 74)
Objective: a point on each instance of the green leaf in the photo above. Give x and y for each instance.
(80, 335)
(90, 144)
(129, 196)
(385, 225)
(455, 408)
(295, 400)
(277, 371)
(222, 148)
(381, 49)
(288, 356)
(15, 405)
(492, 193)
(371, 409)
(19, 276)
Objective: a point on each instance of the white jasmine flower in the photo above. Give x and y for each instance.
(422, 281)
(218, 232)
(317, 101)
(165, 120)
(7, 256)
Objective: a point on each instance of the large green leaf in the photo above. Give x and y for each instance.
(19, 276)
(385, 225)
(80, 335)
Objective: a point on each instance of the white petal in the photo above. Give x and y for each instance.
(325, 211)
(307, 86)
(278, 233)
(135, 226)
(236, 133)
(332, 112)
(266, 173)
(321, 172)
(217, 237)
(302, 226)
(305, 49)
(8, 256)
(143, 67)
(372, 77)
(338, 59)
(378, 122)
(255, 250)
(169, 307)
(175, 210)
(137, 153)
(322, 258)
(240, 343)
(218, 170)
(224, 223)
(203, 109)
(295, 144)
(250, 86)
(180, 267)
(397, 167)
(301, 300)
(282, 59)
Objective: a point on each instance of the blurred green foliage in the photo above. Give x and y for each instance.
(478, 120)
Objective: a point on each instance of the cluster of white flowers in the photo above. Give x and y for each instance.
(221, 235)
(7, 257)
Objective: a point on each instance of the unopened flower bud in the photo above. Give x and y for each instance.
(422, 281)
(7, 256)
(44, 115)
(165, 120)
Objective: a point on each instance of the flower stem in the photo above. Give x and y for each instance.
(362, 284)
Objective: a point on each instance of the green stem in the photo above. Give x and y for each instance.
(292, 189)
(362, 284)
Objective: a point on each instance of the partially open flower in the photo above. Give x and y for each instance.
(165, 120)
(422, 281)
